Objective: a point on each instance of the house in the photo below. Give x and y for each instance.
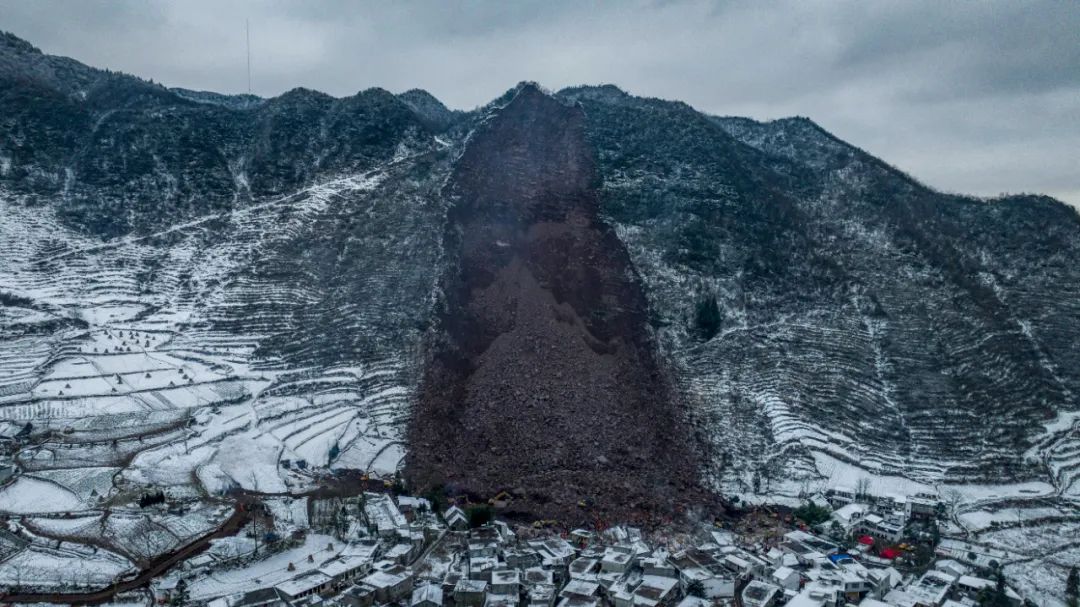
(744, 565)
(615, 561)
(521, 558)
(392, 584)
(505, 588)
(536, 575)
(654, 591)
(760, 594)
(841, 495)
(263, 597)
(819, 593)
(716, 585)
(400, 553)
(577, 601)
(304, 585)
(383, 515)
(344, 569)
(807, 548)
(658, 565)
(428, 595)
(581, 537)
(358, 596)
(786, 578)
(480, 567)
(621, 594)
(584, 569)
(852, 577)
(971, 586)
(922, 505)
(502, 600)
(722, 537)
(411, 506)
(889, 529)
(456, 519)
(931, 589)
(952, 567)
(849, 516)
(579, 588)
(883, 581)
(541, 595)
(556, 551)
(470, 593)
(505, 581)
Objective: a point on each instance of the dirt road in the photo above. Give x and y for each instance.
(158, 566)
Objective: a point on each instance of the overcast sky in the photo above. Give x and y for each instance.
(975, 97)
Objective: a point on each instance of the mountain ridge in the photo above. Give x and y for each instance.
(852, 316)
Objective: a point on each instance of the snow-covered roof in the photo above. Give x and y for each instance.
(383, 579)
(406, 501)
(580, 587)
(467, 585)
(783, 573)
(506, 576)
(343, 565)
(693, 601)
(303, 583)
(431, 593)
(849, 513)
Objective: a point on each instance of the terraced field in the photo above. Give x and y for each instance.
(253, 349)
(868, 327)
(214, 296)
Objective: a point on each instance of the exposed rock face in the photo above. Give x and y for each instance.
(544, 381)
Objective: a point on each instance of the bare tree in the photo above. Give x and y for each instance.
(952, 498)
(862, 488)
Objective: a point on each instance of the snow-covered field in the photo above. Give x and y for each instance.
(175, 362)
(28, 495)
(67, 566)
(269, 571)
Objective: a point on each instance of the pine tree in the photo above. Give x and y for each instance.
(708, 318)
(696, 588)
(180, 595)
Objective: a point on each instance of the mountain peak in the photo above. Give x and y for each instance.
(602, 92)
(428, 107)
(11, 42)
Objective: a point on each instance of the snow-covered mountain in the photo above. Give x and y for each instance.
(861, 319)
(202, 292)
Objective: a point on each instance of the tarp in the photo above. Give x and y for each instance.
(890, 553)
(866, 540)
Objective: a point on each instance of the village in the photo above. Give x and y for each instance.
(387, 548)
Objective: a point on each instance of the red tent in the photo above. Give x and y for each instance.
(890, 553)
(866, 540)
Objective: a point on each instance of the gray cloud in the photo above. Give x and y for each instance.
(976, 97)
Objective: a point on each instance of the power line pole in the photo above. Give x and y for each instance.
(247, 34)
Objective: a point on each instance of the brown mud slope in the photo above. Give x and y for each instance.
(543, 381)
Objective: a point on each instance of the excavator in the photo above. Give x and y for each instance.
(500, 500)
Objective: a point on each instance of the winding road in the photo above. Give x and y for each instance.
(158, 566)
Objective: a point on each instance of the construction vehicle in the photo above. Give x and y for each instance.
(501, 500)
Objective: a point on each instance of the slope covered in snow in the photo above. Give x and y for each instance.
(824, 310)
(205, 294)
